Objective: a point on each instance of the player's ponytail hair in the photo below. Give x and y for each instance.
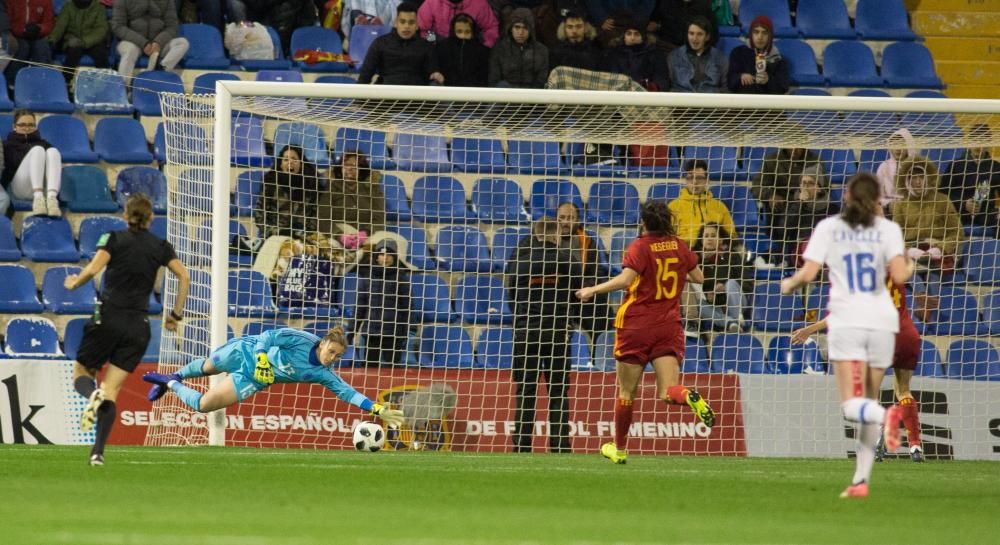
(138, 212)
(861, 206)
(656, 217)
(336, 335)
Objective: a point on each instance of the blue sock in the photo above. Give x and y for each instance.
(190, 396)
(192, 370)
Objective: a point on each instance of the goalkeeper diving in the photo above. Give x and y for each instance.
(255, 362)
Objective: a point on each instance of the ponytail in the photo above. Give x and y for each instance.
(656, 217)
(138, 212)
(862, 206)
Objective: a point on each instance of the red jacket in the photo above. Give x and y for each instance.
(23, 12)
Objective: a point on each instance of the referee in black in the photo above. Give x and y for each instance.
(119, 332)
(541, 281)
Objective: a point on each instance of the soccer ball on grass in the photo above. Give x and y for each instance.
(369, 437)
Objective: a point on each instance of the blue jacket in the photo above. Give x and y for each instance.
(682, 72)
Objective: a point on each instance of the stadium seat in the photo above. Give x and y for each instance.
(72, 336)
(188, 144)
(534, 157)
(59, 300)
(8, 243)
(445, 346)
(199, 294)
(42, 89)
(773, 311)
(463, 249)
(807, 92)
(121, 140)
(248, 187)
(321, 39)
(870, 159)
(991, 311)
(495, 348)
(48, 240)
(942, 157)
(416, 240)
(261, 326)
(579, 352)
(159, 227)
(397, 206)
(696, 358)
(613, 204)
(152, 353)
(6, 104)
(202, 246)
(499, 200)
(6, 124)
(816, 302)
(206, 51)
(547, 195)
(925, 94)
(32, 338)
(929, 364)
(146, 89)
(850, 64)
(957, 314)
(91, 230)
(882, 20)
(18, 294)
(440, 199)
(474, 155)
(737, 353)
(307, 136)
(802, 65)
(145, 180)
(85, 189)
(741, 204)
(604, 352)
(482, 300)
(279, 62)
(421, 153)
(664, 192)
(250, 295)
(728, 43)
(362, 37)
(370, 143)
(290, 76)
(973, 359)
(347, 295)
(824, 19)
(205, 83)
(247, 147)
(787, 359)
(195, 338)
(909, 64)
(839, 164)
(777, 10)
(606, 167)
(620, 241)
(69, 135)
(429, 299)
(335, 79)
(871, 122)
(505, 241)
(101, 91)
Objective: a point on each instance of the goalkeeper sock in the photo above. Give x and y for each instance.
(192, 370)
(863, 410)
(189, 396)
(867, 437)
(106, 414)
(677, 394)
(84, 386)
(623, 421)
(911, 420)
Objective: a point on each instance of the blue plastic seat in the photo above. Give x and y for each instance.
(882, 20)
(146, 89)
(824, 19)
(159, 227)
(505, 241)
(205, 83)
(741, 204)
(613, 203)
(248, 187)
(247, 144)
(957, 314)
(362, 37)
(146, 180)
(547, 195)
(91, 230)
(32, 338)
(620, 241)
(322, 39)
(290, 76)
(85, 189)
(807, 92)
(48, 240)
(195, 339)
(728, 43)
(202, 246)
(42, 89)
(6, 123)
(463, 249)
(73, 336)
(9, 250)
(188, 144)
(929, 364)
(664, 192)
(482, 300)
(474, 155)
(347, 295)
(260, 326)
(121, 140)
(973, 359)
(429, 299)
(850, 64)
(839, 164)
(250, 295)
(101, 91)
(495, 348)
(364, 141)
(870, 159)
(696, 358)
(335, 79)
(579, 352)
(416, 239)
(17, 291)
(440, 199)
(909, 64)
(499, 200)
(397, 205)
(721, 161)
(773, 311)
(534, 157)
(608, 167)
(59, 300)
(421, 153)
(604, 352)
(787, 359)
(307, 136)
(871, 122)
(6, 104)
(802, 65)
(206, 51)
(69, 135)
(152, 353)
(925, 94)
(738, 353)
(445, 346)
(991, 311)
(778, 12)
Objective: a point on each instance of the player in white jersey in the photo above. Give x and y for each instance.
(859, 246)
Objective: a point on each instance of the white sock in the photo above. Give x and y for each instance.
(867, 437)
(863, 410)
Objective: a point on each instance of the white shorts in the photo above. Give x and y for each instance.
(871, 346)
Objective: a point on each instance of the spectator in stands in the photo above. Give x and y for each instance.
(544, 12)
(901, 145)
(462, 57)
(642, 62)
(807, 205)
(758, 68)
(698, 67)
(435, 16)
(32, 167)
(597, 316)
(401, 57)
(576, 48)
(31, 22)
(611, 16)
(82, 29)
(721, 301)
(932, 229)
(366, 12)
(671, 18)
(973, 182)
(147, 27)
(354, 201)
(288, 196)
(384, 306)
(518, 59)
(696, 206)
(284, 16)
(779, 176)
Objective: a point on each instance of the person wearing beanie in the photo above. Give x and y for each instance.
(642, 62)
(518, 59)
(758, 68)
(462, 58)
(698, 67)
(383, 312)
(434, 18)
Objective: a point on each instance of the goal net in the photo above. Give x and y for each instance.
(402, 214)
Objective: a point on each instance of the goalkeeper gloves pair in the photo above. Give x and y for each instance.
(392, 417)
(263, 372)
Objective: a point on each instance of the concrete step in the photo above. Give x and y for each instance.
(973, 91)
(969, 72)
(950, 48)
(963, 24)
(953, 5)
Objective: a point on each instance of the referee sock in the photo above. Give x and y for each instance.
(84, 386)
(192, 370)
(106, 414)
(189, 396)
(863, 410)
(867, 437)
(911, 420)
(678, 394)
(623, 421)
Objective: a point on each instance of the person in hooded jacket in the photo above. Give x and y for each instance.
(384, 306)
(642, 62)
(696, 206)
(577, 46)
(82, 29)
(518, 59)
(435, 16)
(32, 166)
(932, 229)
(901, 146)
(462, 58)
(289, 193)
(758, 68)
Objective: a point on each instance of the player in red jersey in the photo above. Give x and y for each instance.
(648, 324)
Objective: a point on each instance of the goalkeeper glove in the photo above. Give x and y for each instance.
(392, 418)
(263, 372)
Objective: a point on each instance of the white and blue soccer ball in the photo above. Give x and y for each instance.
(369, 437)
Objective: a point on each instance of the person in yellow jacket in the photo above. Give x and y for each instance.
(696, 206)
(932, 228)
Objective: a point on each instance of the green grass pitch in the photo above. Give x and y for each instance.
(234, 496)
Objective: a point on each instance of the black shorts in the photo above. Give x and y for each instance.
(120, 339)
